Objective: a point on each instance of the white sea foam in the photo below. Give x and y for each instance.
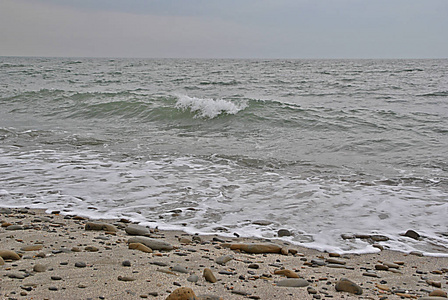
(207, 107)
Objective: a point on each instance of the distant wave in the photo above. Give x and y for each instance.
(208, 108)
(435, 94)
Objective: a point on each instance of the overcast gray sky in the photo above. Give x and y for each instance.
(225, 28)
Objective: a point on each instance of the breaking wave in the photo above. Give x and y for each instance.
(208, 108)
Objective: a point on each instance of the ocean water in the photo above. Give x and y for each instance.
(318, 147)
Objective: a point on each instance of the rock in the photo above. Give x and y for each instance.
(335, 261)
(16, 275)
(126, 263)
(382, 287)
(125, 278)
(91, 249)
(208, 275)
(154, 244)
(193, 278)
(381, 267)
(436, 284)
(222, 260)
(255, 248)
(391, 265)
(56, 278)
(80, 264)
(253, 266)
(182, 293)
(438, 293)
(416, 253)
(293, 282)
(14, 227)
(346, 285)
(209, 297)
(141, 247)
(262, 222)
(431, 298)
(180, 269)
(334, 254)
(9, 254)
(318, 262)
(100, 226)
(39, 268)
(287, 273)
(412, 234)
(2, 262)
(135, 229)
(32, 248)
(284, 232)
(379, 238)
(348, 236)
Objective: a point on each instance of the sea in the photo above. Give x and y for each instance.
(235, 147)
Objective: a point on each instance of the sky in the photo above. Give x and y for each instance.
(225, 28)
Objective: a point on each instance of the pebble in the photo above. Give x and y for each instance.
(318, 262)
(335, 261)
(293, 282)
(253, 266)
(14, 227)
(154, 244)
(436, 284)
(91, 249)
(141, 247)
(39, 268)
(193, 278)
(56, 278)
(2, 262)
(32, 248)
(9, 254)
(53, 288)
(16, 275)
(346, 285)
(125, 278)
(80, 264)
(287, 273)
(412, 234)
(438, 293)
(391, 265)
(126, 263)
(100, 226)
(135, 229)
(208, 275)
(180, 269)
(222, 260)
(284, 232)
(381, 267)
(182, 293)
(255, 248)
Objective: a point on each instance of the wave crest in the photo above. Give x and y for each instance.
(208, 108)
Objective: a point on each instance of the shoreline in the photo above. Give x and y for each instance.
(65, 257)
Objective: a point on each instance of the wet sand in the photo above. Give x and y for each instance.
(70, 257)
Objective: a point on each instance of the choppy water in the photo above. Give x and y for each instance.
(319, 147)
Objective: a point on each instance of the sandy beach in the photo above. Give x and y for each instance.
(54, 256)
